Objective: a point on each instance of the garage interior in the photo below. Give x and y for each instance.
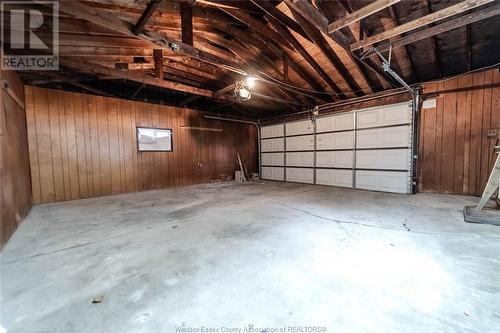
(251, 166)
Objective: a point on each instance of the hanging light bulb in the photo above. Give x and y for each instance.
(251, 81)
(242, 92)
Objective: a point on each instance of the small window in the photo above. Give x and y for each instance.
(154, 139)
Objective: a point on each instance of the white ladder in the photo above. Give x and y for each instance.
(492, 185)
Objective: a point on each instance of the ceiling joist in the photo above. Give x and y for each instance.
(412, 25)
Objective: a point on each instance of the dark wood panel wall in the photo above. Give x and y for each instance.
(15, 199)
(85, 146)
(456, 155)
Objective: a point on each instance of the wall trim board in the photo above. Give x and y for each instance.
(84, 146)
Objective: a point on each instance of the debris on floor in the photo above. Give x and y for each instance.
(98, 299)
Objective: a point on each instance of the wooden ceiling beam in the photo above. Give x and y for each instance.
(137, 77)
(443, 27)
(187, 24)
(405, 53)
(268, 8)
(283, 31)
(415, 24)
(158, 62)
(154, 39)
(360, 14)
(316, 18)
(258, 26)
(150, 9)
(329, 53)
(100, 51)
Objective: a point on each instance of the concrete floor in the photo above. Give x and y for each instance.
(272, 255)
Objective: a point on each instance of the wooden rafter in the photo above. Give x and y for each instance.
(187, 24)
(428, 19)
(329, 53)
(267, 32)
(406, 54)
(158, 60)
(443, 27)
(327, 8)
(132, 76)
(317, 19)
(143, 20)
(283, 31)
(153, 39)
(360, 14)
(278, 15)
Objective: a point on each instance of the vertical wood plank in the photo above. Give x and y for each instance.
(449, 133)
(44, 146)
(32, 144)
(475, 133)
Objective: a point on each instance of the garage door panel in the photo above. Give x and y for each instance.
(300, 127)
(300, 175)
(341, 140)
(305, 142)
(334, 177)
(395, 159)
(272, 131)
(334, 159)
(388, 137)
(305, 159)
(273, 159)
(386, 181)
(335, 123)
(273, 173)
(384, 116)
(273, 144)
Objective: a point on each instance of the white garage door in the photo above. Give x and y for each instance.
(367, 149)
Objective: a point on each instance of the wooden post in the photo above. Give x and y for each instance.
(158, 60)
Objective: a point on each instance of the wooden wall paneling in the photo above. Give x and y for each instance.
(15, 189)
(169, 171)
(486, 124)
(177, 151)
(81, 144)
(182, 149)
(158, 156)
(428, 130)
(449, 133)
(114, 145)
(85, 146)
(61, 132)
(119, 134)
(43, 141)
(476, 133)
(33, 151)
(129, 146)
(94, 140)
(89, 163)
(462, 83)
(439, 139)
(456, 155)
(104, 145)
(467, 141)
(137, 159)
(55, 143)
